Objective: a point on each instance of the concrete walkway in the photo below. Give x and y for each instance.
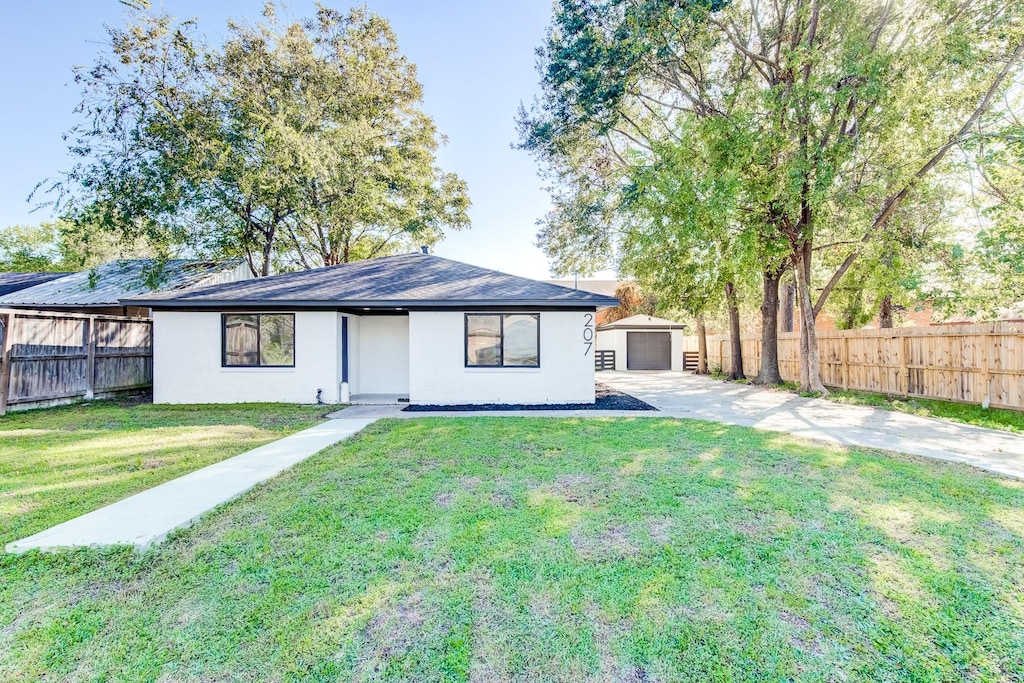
(146, 518)
(679, 394)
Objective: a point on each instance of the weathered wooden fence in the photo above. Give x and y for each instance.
(48, 356)
(963, 363)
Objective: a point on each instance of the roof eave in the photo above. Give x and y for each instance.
(680, 326)
(369, 304)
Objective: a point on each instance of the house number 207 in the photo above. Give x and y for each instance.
(588, 333)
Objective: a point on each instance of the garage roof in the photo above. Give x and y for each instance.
(405, 281)
(643, 322)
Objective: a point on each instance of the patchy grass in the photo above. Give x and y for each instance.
(499, 549)
(58, 463)
(992, 418)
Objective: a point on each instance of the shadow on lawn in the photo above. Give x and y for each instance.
(558, 550)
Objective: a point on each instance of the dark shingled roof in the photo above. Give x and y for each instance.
(408, 281)
(107, 283)
(13, 282)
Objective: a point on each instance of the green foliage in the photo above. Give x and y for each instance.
(995, 263)
(811, 136)
(293, 144)
(61, 246)
(28, 248)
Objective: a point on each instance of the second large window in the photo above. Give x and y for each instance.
(509, 340)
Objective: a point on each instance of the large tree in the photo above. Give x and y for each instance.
(294, 144)
(848, 107)
(60, 246)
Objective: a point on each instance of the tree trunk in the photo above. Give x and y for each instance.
(735, 345)
(702, 346)
(885, 312)
(786, 307)
(810, 361)
(769, 372)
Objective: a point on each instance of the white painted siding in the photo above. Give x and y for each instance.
(187, 362)
(614, 340)
(677, 350)
(383, 355)
(438, 374)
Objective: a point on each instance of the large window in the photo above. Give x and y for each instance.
(510, 340)
(258, 340)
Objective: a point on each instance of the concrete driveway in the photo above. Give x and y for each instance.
(685, 395)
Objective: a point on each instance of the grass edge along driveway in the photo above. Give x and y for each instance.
(59, 463)
(539, 549)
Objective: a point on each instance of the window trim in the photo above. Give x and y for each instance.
(259, 331)
(501, 344)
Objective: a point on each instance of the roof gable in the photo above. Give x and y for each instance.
(606, 287)
(406, 280)
(643, 321)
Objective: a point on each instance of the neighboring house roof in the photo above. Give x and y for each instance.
(107, 284)
(405, 281)
(13, 282)
(605, 287)
(1013, 313)
(643, 322)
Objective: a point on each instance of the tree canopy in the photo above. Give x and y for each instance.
(295, 144)
(838, 117)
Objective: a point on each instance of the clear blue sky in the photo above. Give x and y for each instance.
(475, 60)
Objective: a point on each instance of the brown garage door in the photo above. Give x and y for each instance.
(648, 351)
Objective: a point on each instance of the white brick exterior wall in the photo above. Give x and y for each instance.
(421, 354)
(187, 362)
(438, 374)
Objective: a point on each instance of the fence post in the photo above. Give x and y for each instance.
(904, 365)
(5, 361)
(986, 378)
(846, 362)
(90, 358)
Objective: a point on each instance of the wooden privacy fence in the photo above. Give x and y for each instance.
(48, 356)
(962, 363)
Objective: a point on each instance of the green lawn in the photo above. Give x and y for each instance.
(993, 418)
(59, 463)
(534, 549)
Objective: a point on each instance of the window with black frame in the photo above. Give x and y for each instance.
(262, 340)
(502, 340)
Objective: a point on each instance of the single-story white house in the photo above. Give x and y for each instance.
(413, 327)
(643, 342)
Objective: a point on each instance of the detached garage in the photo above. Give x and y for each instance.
(642, 342)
